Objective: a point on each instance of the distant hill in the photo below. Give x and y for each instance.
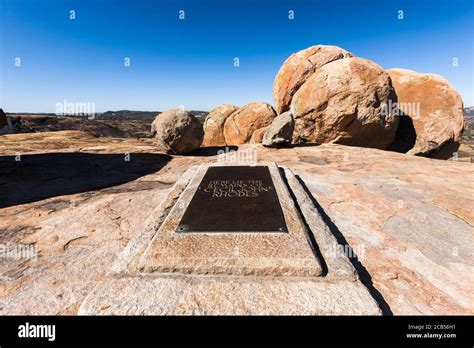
(121, 123)
(127, 115)
(469, 112)
(138, 115)
(114, 115)
(48, 123)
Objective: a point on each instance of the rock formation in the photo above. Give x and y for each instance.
(177, 131)
(240, 126)
(407, 218)
(3, 119)
(432, 119)
(257, 136)
(343, 102)
(297, 69)
(214, 125)
(280, 132)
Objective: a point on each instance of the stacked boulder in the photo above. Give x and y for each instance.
(229, 125)
(324, 94)
(298, 68)
(214, 125)
(245, 125)
(336, 97)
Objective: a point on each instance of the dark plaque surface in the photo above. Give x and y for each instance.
(234, 199)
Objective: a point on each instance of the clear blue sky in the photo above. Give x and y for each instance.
(190, 62)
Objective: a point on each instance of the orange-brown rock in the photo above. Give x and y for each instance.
(433, 120)
(214, 125)
(411, 227)
(342, 102)
(241, 125)
(298, 67)
(257, 136)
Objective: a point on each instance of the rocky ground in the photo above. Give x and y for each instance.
(79, 199)
(129, 124)
(466, 149)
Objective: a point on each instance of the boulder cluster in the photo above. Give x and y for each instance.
(324, 94)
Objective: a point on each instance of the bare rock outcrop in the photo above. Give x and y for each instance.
(3, 119)
(177, 131)
(280, 132)
(344, 102)
(432, 119)
(297, 69)
(257, 136)
(240, 126)
(214, 125)
(408, 219)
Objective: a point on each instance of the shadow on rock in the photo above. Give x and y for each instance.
(213, 150)
(302, 144)
(364, 275)
(32, 178)
(405, 137)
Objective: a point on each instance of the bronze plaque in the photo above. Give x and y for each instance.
(234, 199)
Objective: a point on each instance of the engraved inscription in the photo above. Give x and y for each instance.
(234, 199)
(236, 188)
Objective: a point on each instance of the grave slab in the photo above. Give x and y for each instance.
(210, 271)
(277, 245)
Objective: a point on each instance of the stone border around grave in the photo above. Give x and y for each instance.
(249, 253)
(223, 295)
(127, 291)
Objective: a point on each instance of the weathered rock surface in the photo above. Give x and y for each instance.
(214, 125)
(297, 68)
(203, 296)
(434, 119)
(241, 124)
(280, 132)
(343, 102)
(257, 136)
(407, 218)
(3, 119)
(177, 132)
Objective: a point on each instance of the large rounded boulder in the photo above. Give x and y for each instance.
(214, 125)
(298, 68)
(240, 126)
(345, 102)
(177, 131)
(431, 114)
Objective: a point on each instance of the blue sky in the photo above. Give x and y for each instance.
(190, 62)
